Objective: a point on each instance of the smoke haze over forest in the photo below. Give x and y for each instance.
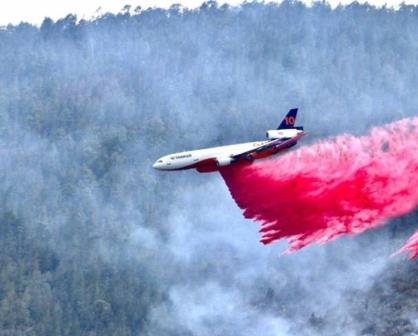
(95, 242)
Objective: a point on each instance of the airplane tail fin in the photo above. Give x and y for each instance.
(289, 120)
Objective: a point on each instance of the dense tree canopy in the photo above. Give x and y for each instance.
(93, 242)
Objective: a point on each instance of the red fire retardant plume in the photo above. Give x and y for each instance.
(341, 186)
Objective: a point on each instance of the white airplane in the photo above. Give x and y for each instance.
(211, 159)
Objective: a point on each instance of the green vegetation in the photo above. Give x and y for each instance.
(86, 226)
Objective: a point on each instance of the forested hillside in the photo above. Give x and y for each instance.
(94, 242)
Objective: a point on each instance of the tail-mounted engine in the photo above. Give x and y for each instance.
(281, 133)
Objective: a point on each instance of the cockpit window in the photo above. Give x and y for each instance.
(160, 161)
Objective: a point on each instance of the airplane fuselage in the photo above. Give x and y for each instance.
(212, 159)
(203, 159)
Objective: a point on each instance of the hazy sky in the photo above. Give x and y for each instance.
(14, 11)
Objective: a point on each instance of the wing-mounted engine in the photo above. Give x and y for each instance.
(224, 161)
(281, 134)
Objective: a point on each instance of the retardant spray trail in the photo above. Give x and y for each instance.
(335, 187)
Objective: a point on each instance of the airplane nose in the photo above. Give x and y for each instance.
(157, 165)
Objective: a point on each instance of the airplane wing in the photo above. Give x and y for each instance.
(276, 145)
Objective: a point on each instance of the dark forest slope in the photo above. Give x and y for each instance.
(93, 242)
